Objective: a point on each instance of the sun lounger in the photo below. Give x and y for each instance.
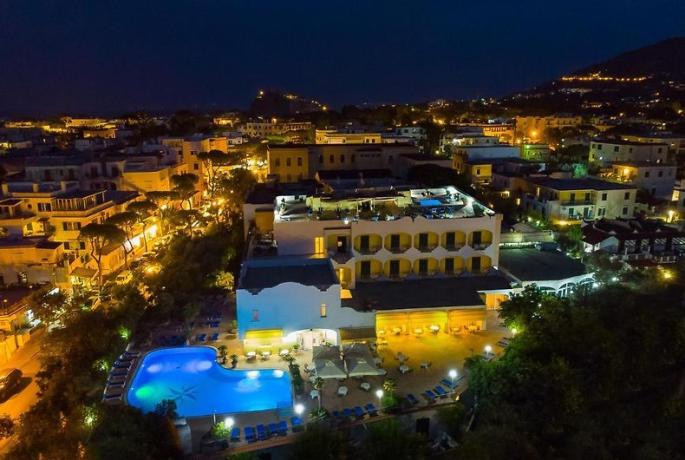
(282, 428)
(118, 372)
(235, 434)
(110, 396)
(348, 413)
(440, 391)
(412, 399)
(371, 410)
(214, 337)
(250, 434)
(273, 429)
(202, 338)
(448, 383)
(261, 432)
(296, 423)
(335, 414)
(115, 380)
(429, 395)
(358, 412)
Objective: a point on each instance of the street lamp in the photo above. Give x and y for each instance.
(488, 349)
(299, 409)
(379, 395)
(229, 422)
(453, 375)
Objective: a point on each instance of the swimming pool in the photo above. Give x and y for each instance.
(191, 377)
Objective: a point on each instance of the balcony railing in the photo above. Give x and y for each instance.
(454, 247)
(398, 249)
(480, 246)
(368, 250)
(427, 247)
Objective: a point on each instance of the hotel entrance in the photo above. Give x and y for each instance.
(309, 338)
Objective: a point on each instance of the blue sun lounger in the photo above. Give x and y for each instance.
(412, 399)
(250, 434)
(235, 434)
(273, 429)
(261, 432)
(335, 414)
(358, 412)
(296, 423)
(430, 396)
(371, 410)
(440, 391)
(348, 413)
(448, 384)
(282, 428)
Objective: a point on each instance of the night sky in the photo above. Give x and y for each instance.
(108, 56)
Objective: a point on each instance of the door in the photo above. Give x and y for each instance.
(364, 243)
(394, 242)
(342, 243)
(394, 268)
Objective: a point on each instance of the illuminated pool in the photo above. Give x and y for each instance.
(191, 377)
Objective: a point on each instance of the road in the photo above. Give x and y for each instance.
(25, 359)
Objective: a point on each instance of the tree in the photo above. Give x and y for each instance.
(212, 162)
(319, 442)
(125, 221)
(99, 236)
(388, 439)
(184, 185)
(48, 307)
(6, 426)
(430, 175)
(453, 418)
(142, 210)
(163, 201)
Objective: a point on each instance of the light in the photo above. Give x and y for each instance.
(252, 374)
(229, 422)
(514, 331)
(299, 409)
(278, 373)
(614, 278)
(124, 333)
(667, 274)
(488, 349)
(379, 393)
(452, 374)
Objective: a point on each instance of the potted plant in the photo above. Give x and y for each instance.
(234, 361)
(222, 353)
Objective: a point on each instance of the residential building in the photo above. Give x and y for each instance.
(606, 151)
(636, 241)
(16, 321)
(675, 142)
(264, 129)
(535, 152)
(657, 179)
(462, 155)
(334, 136)
(534, 128)
(570, 200)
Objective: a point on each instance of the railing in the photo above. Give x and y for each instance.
(398, 249)
(479, 246)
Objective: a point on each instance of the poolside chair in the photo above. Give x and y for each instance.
(342, 390)
(235, 434)
(429, 395)
(282, 428)
(273, 429)
(413, 400)
(440, 391)
(261, 432)
(111, 396)
(214, 337)
(296, 423)
(250, 436)
(335, 414)
(448, 383)
(371, 410)
(358, 412)
(118, 372)
(348, 413)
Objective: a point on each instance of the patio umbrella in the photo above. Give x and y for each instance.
(357, 367)
(330, 369)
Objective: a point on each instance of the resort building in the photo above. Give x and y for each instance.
(657, 179)
(570, 200)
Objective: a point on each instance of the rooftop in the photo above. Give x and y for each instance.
(531, 264)
(264, 273)
(424, 293)
(587, 183)
(381, 204)
(600, 230)
(622, 142)
(643, 164)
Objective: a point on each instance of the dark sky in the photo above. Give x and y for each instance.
(105, 55)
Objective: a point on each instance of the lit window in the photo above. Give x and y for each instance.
(318, 245)
(322, 310)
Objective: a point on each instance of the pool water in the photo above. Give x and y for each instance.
(200, 386)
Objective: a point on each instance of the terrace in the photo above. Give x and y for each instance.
(386, 205)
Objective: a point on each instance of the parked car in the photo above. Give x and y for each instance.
(9, 382)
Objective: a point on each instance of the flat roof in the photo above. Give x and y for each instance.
(258, 274)
(424, 293)
(643, 164)
(531, 264)
(622, 142)
(354, 174)
(580, 184)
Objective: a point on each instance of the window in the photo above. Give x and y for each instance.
(69, 226)
(475, 264)
(287, 161)
(364, 243)
(44, 207)
(277, 162)
(423, 266)
(394, 268)
(616, 148)
(476, 239)
(322, 310)
(331, 159)
(646, 173)
(660, 174)
(318, 245)
(342, 159)
(82, 245)
(366, 268)
(352, 158)
(299, 161)
(450, 240)
(394, 242)
(626, 196)
(196, 166)
(255, 315)
(572, 197)
(477, 171)
(625, 211)
(320, 159)
(587, 197)
(449, 265)
(423, 240)
(604, 196)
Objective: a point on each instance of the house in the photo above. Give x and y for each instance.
(606, 151)
(567, 200)
(657, 179)
(635, 240)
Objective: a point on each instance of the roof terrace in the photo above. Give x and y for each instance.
(380, 205)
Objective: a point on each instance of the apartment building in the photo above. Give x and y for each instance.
(571, 200)
(603, 152)
(334, 136)
(534, 128)
(264, 129)
(657, 179)
(292, 162)
(675, 142)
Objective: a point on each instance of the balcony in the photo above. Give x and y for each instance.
(369, 250)
(480, 246)
(426, 248)
(398, 249)
(576, 203)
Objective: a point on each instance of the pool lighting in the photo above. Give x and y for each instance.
(488, 349)
(229, 422)
(253, 374)
(452, 374)
(514, 331)
(299, 409)
(124, 333)
(379, 393)
(278, 373)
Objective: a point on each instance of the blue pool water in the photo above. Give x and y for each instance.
(191, 377)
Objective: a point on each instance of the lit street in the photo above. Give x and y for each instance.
(25, 359)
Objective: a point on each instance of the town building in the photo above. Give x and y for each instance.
(274, 127)
(657, 179)
(534, 128)
(606, 151)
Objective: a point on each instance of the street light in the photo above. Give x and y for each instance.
(379, 395)
(299, 409)
(453, 374)
(229, 422)
(488, 349)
